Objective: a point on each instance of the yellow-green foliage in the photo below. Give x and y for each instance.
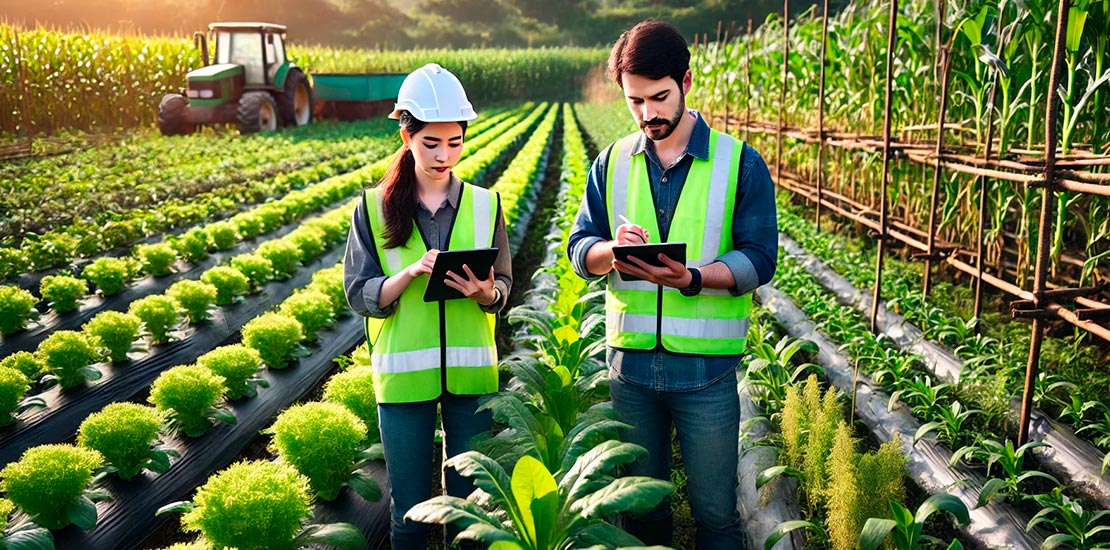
(824, 415)
(882, 477)
(843, 493)
(793, 426)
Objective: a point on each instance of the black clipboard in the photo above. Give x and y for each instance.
(480, 260)
(649, 254)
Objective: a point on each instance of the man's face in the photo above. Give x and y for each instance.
(656, 105)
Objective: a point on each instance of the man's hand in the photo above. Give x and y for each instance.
(672, 274)
(628, 233)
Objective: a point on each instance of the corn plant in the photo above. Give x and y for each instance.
(1074, 526)
(773, 369)
(1010, 460)
(905, 530)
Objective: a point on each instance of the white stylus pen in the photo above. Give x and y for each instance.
(629, 222)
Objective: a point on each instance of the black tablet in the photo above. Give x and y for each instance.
(480, 260)
(649, 254)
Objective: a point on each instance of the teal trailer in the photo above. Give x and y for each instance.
(355, 96)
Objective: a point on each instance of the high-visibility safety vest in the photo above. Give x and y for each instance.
(424, 348)
(641, 315)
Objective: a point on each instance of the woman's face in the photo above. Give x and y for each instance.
(436, 149)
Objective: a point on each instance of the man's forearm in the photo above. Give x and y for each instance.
(599, 258)
(716, 275)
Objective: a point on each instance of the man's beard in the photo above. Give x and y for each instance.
(667, 126)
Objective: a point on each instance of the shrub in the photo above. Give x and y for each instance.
(63, 292)
(276, 336)
(16, 307)
(258, 269)
(51, 484)
(312, 308)
(23, 361)
(354, 389)
(259, 504)
(158, 314)
(240, 367)
(249, 224)
(191, 246)
(195, 297)
(124, 434)
(324, 441)
(115, 332)
(229, 283)
(330, 282)
(66, 356)
(157, 259)
(189, 397)
(223, 235)
(110, 275)
(13, 390)
(309, 240)
(283, 255)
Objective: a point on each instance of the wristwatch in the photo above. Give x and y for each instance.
(695, 283)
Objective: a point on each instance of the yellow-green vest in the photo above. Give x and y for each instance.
(643, 316)
(426, 347)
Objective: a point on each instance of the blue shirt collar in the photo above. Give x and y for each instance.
(698, 146)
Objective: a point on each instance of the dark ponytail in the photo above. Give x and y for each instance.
(399, 187)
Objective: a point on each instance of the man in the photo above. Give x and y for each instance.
(676, 337)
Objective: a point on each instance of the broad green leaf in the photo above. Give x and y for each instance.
(635, 494)
(29, 537)
(180, 506)
(784, 528)
(343, 535)
(531, 481)
(486, 533)
(773, 472)
(943, 502)
(365, 486)
(990, 489)
(82, 513)
(505, 545)
(566, 334)
(582, 478)
(875, 532)
(606, 534)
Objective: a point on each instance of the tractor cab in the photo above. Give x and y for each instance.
(257, 47)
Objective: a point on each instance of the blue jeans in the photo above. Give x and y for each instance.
(708, 424)
(408, 434)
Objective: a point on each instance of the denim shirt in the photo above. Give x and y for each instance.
(752, 262)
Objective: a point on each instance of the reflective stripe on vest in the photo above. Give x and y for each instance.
(408, 354)
(642, 315)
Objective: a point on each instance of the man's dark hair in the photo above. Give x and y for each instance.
(651, 49)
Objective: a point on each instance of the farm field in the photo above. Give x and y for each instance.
(928, 368)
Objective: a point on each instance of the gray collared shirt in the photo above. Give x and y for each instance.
(362, 269)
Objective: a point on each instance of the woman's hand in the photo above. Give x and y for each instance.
(424, 266)
(480, 291)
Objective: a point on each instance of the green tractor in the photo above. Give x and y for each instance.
(252, 84)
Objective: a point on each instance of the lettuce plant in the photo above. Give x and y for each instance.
(312, 308)
(24, 362)
(63, 292)
(277, 338)
(67, 357)
(12, 262)
(333, 230)
(110, 275)
(309, 240)
(157, 259)
(51, 484)
(249, 224)
(191, 246)
(260, 504)
(229, 283)
(354, 389)
(283, 255)
(330, 282)
(190, 397)
(158, 314)
(195, 297)
(240, 366)
(259, 270)
(272, 215)
(223, 235)
(25, 535)
(126, 435)
(13, 392)
(324, 441)
(17, 306)
(115, 332)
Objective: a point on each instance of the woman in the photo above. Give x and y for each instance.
(426, 355)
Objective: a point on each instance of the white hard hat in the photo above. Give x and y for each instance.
(432, 94)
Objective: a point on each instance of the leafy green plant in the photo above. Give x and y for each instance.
(263, 505)
(907, 527)
(195, 297)
(191, 246)
(354, 389)
(67, 357)
(772, 370)
(51, 484)
(330, 282)
(1073, 526)
(539, 510)
(257, 268)
(229, 283)
(223, 235)
(249, 224)
(950, 427)
(158, 314)
(860, 486)
(333, 231)
(13, 392)
(190, 397)
(277, 338)
(24, 362)
(309, 240)
(324, 442)
(63, 292)
(1010, 460)
(12, 262)
(312, 308)
(157, 259)
(115, 332)
(284, 256)
(24, 535)
(17, 306)
(240, 366)
(126, 435)
(110, 275)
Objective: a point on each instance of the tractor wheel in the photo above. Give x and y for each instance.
(257, 113)
(172, 115)
(295, 103)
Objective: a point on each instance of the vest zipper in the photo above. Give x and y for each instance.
(443, 347)
(659, 318)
